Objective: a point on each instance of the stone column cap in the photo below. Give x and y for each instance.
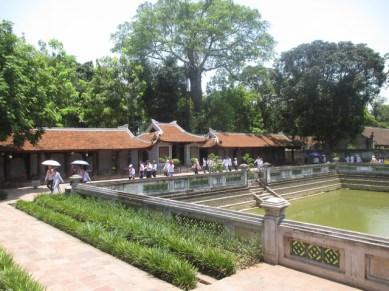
(275, 202)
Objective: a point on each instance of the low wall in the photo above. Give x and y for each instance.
(241, 224)
(353, 258)
(157, 186)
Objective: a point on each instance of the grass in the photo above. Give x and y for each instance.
(137, 237)
(13, 277)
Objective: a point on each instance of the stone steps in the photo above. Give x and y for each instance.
(220, 201)
(211, 195)
(310, 191)
(286, 188)
(240, 205)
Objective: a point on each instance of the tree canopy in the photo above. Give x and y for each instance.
(323, 89)
(202, 35)
(24, 88)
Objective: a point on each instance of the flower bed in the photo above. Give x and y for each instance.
(105, 224)
(12, 277)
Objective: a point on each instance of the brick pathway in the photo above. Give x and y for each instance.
(264, 277)
(62, 262)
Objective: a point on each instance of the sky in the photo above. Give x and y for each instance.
(85, 26)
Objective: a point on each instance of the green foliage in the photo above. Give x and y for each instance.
(12, 277)
(176, 162)
(248, 160)
(164, 97)
(233, 109)
(216, 166)
(202, 35)
(179, 235)
(163, 159)
(323, 89)
(24, 89)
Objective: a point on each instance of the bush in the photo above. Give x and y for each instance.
(248, 160)
(176, 162)
(3, 195)
(13, 277)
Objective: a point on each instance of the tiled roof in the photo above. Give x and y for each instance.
(246, 140)
(381, 135)
(172, 132)
(149, 137)
(72, 139)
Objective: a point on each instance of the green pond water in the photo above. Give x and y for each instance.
(358, 210)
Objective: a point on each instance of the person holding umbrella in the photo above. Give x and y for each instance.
(50, 173)
(80, 167)
(49, 179)
(57, 179)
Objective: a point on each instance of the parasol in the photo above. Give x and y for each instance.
(80, 162)
(51, 163)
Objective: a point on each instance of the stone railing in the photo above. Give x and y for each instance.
(352, 258)
(187, 183)
(276, 174)
(373, 169)
(241, 224)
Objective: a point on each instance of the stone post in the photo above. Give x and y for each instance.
(74, 181)
(244, 169)
(274, 213)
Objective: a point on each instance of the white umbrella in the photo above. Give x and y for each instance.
(80, 162)
(51, 163)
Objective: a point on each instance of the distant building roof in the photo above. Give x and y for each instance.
(380, 135)
(72, 139)
(170, 132)
(245, 140)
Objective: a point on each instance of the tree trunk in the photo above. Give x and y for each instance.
(195, 88)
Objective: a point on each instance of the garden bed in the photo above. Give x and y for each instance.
(13, 277)
(172, 248)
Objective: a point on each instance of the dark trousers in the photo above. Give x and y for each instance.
(50, 185)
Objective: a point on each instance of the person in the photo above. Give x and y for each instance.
(225, 164)
(170, 170)
(141, 170)
(373, 159)
(166, 168)
(131, 172)
(84, 175)
(205, 165)
(155, 169)
(235, 162)
(149, 169)
(229, 164)
(49, 179)
(259, 163)
(196, 166)
(57, 180)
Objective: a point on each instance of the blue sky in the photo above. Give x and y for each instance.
(85, 26)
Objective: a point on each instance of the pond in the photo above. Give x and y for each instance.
(357, 210)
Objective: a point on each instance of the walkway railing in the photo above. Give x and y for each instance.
(187, 183)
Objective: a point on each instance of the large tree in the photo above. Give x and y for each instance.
(203, 35)
(24, 89)
(324, 88)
